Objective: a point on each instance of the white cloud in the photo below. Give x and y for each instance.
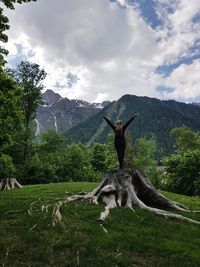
(180, 32)
(186, 81)
(112, 51)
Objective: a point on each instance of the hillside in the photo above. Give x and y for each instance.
(133, 239)
(157, 118)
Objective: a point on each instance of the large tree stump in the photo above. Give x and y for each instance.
(127, 188)
(9, 183)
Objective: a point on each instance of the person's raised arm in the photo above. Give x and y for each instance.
(129, 121)
(109, 123)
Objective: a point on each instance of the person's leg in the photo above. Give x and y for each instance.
(120, 154)
(120, 148)
(122, 160)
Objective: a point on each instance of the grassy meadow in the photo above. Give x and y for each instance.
(28, 237)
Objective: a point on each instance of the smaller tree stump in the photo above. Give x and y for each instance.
(9, 183)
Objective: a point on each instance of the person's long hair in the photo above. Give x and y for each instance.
(118, 127)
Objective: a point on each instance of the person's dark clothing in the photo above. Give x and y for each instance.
(120, 143)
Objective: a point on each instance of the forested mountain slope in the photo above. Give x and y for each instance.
(157, 117)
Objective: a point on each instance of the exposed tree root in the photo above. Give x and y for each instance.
(126, 189)
(6, 257)
(9, 183)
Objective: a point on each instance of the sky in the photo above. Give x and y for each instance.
(98, 50)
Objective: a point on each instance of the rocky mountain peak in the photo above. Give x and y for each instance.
(50, 97)
(60, 113)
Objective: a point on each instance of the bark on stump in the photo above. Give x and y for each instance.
(131, 187)
(9, 183)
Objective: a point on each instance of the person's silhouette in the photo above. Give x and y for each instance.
(120, 143)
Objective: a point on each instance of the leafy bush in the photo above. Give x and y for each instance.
(35, 171)
(183, 172)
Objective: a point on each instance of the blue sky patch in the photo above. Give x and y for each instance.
(58, 85)
(72, 79)
(147, 10)
(166, 70)
(196, 18)
(14, 61)
(163, 89)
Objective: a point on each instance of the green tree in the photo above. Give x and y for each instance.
(51, 142)
(11, 116)
(99, 157)
(29, 77)
(183, 167)
(77, 165)
(47, 162)
(185, 138)
(144, 158)
(3, 37)
(183, 172)
(144, 154)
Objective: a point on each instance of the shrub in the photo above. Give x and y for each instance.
(183, 172)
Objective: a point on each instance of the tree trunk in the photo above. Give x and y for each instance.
(25, 143)
(131, 187)
(9, 183)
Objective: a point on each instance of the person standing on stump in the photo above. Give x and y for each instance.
(120, 142)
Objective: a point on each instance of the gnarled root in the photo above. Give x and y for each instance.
(132, 187)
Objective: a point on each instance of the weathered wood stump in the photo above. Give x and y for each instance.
(131, 187)
(9, 183)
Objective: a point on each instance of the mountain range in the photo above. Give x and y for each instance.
(81, 121)
(61, 114)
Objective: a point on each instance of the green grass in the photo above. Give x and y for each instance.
(133, 239)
